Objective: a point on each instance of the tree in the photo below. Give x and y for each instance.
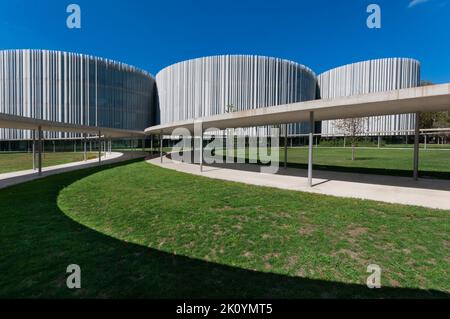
(433, 119)
(352, 128)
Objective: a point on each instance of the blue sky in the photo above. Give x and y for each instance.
(318, 33)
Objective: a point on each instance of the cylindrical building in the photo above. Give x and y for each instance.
(369, 77)
(219, 84)
(73, 88)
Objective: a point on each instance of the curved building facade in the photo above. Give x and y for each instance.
(219, 84)
(369, 77)
(74, 88)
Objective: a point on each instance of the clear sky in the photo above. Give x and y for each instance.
(318, 33)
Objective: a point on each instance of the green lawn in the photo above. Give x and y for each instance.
(11, 162)
(138, 230)
(429, 146)
(434, 163)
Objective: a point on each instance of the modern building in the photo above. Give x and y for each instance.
(74, 88)
(231, 83)
(85, 90)
(370, 77)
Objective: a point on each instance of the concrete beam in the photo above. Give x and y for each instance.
(421, 99)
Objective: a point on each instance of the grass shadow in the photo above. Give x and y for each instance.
(39, 241)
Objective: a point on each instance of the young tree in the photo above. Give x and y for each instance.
(353, 129)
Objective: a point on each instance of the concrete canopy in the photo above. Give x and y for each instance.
(26, 123)
(421, 99)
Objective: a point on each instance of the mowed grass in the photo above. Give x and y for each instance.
(389, 161)
(383, 158)
(12, 162)
(137, 230)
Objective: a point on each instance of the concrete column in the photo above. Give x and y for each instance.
(99, 147)
(161, 146)
(310, 151)
(151, 143)
(34, 149)
(426, 140)
(201, 147)
(193, 149)
(39, 150)
(285, 145)
(84, 147)
(416, 147)
(224, 145)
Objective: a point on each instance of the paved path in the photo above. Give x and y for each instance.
(429, 193)
(14, 178)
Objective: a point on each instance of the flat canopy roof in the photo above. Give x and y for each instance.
(27, 123)
(431, 98)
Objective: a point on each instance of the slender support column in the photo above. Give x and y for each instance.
(379, 141)
(84, 148)
(39, 150)
(74, 146)
(201, 147)
(193, 149)
(416, 147)
(34, 149)
(143, 145)
(161, 146)
(151, 144)
(310, 152)
(224, 145)
(426, 140)
(99, 147)
(285, 145)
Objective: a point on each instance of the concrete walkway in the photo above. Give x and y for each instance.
(14, 178)
(430, 193)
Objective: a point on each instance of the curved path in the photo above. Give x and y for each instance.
(430, 193)
(14, 178)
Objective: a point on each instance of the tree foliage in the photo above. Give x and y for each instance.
(434, 119)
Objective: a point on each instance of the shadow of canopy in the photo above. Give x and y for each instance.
(39, 241)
